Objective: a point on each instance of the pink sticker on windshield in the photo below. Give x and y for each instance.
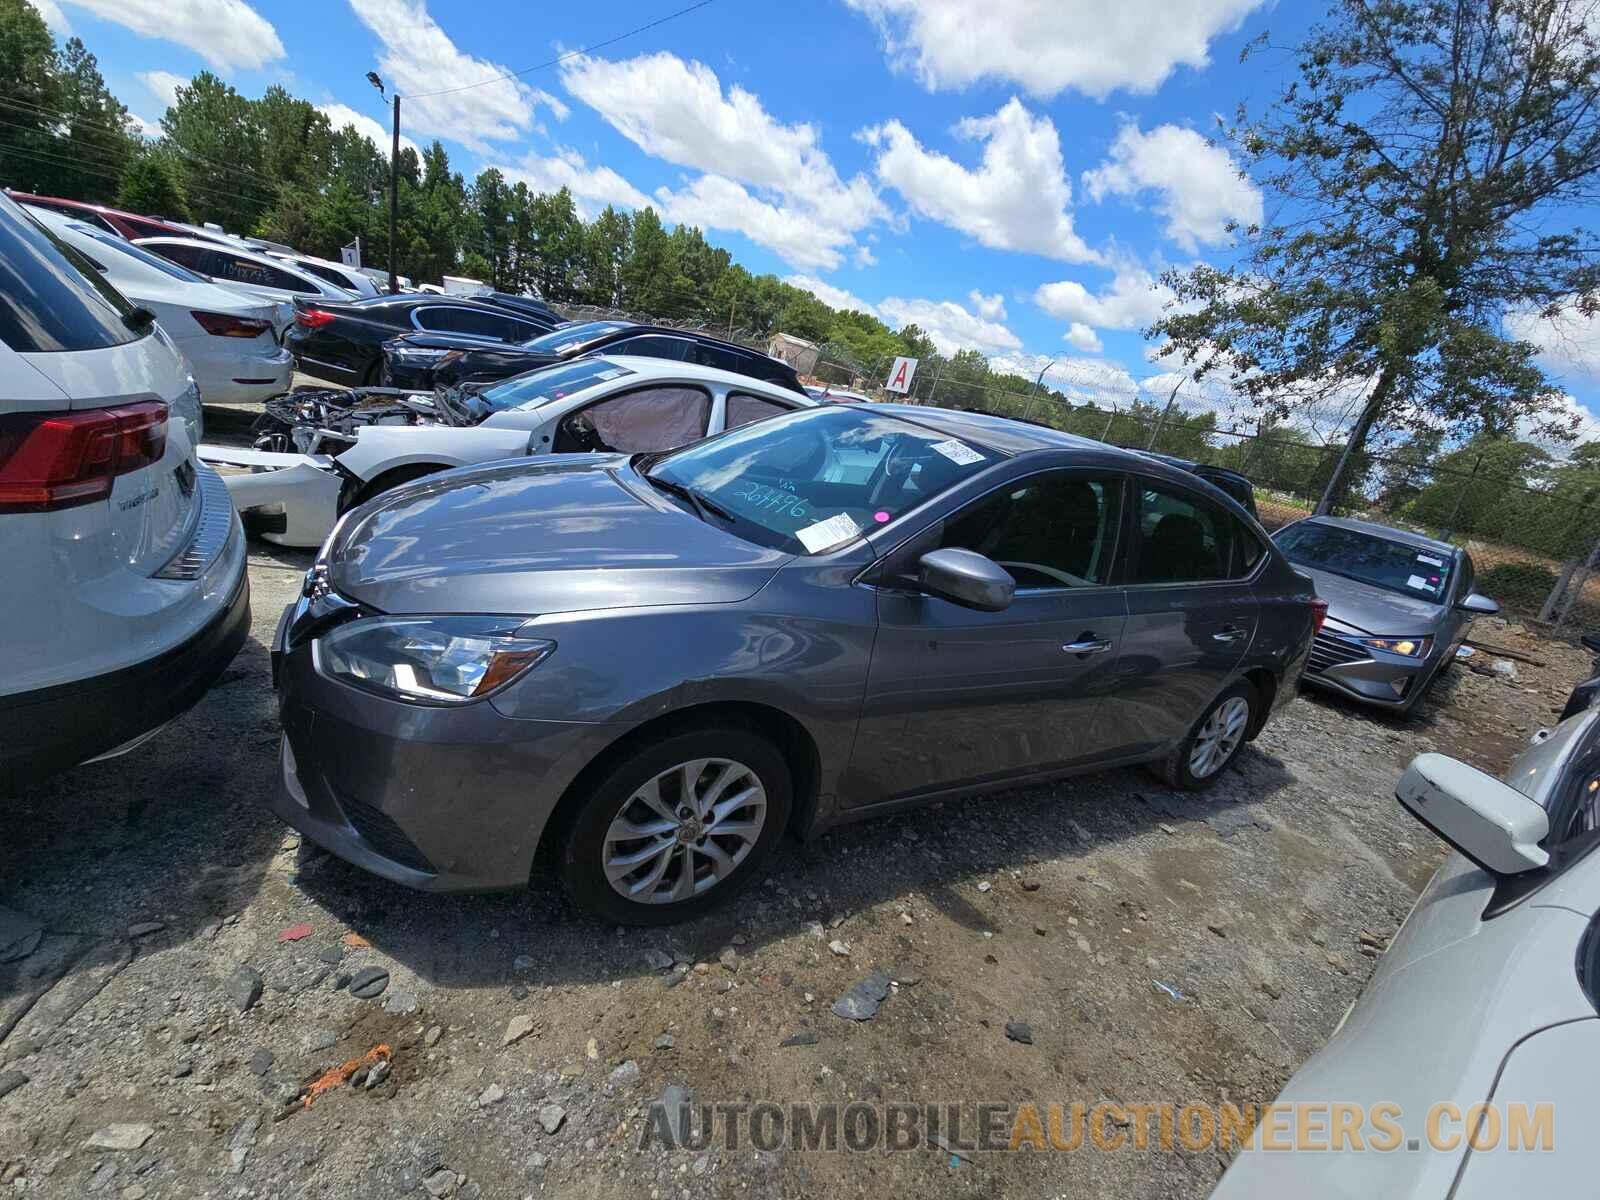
(880, 516)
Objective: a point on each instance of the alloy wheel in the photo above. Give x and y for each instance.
(1219, 737)
(684, 831)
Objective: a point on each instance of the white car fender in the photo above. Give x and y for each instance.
(381, 448)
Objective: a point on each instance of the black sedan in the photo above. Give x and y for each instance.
(430, 360)
(343, 343)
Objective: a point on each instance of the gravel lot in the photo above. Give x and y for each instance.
(527, 1042)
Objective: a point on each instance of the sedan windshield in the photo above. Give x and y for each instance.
(814, 479)
(1394, 566)
(565, 337)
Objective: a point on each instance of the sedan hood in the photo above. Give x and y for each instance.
(582, 532)
(1373, 610)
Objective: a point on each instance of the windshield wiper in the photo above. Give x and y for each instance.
(702, 506)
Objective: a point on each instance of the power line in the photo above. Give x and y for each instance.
(562, 57)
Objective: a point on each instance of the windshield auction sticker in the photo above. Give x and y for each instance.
(958, 452)
(827, 533)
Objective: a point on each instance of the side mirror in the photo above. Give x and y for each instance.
(1477, 602)
(1490, 822)
(967, 578)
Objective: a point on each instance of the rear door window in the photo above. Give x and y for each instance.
(449, 318)
(652, 345)
(1183, 539)
(51, 298)
(652, 418)
(743, 409)
(238, 269)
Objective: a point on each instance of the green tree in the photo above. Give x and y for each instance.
(219, 138)
(152, 184)
(1420, 169)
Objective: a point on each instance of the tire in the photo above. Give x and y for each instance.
(1190, 771)
(657, 769)
(390, 480)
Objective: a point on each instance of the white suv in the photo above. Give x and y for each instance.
(122, 565)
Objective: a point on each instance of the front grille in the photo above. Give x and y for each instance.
(212, 531)
(1329, 651)
(379, 831)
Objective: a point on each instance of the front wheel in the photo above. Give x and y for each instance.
(1214, 742)
(678, 826)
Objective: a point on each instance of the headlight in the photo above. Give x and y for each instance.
(419, 353)
(1410, 647)
(435, 660)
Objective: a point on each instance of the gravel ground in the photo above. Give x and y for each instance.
(526, 1042)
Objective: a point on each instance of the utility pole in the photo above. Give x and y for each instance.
(394, 186)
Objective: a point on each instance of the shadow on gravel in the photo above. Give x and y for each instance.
(173, 832)
(476, 941)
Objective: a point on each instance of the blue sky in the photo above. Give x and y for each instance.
(1012, 175)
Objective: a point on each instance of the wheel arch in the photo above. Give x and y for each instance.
(793, 740)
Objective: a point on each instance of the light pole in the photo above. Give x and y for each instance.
(1037, 384)
(394, 185)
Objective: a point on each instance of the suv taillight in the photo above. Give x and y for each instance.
(1319, 614)
(222, 325)
(50, 461)
(313, 318)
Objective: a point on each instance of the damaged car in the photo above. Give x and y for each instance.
(320, 452)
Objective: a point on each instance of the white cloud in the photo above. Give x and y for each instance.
(163, 85)
(1080, 337)
(340, 115)
(1047, 46)
(835, 298)
(145, 127)
(54, 17)
(226, 33)
(1568, 344)
(1101, 380)
(1198, 184)
(763, 178)
(992, 308)
(1015, 199)
(1569, 414)
(1132, 299)
(951, 326)
(796, 234)
(592, 187)
(419, 57)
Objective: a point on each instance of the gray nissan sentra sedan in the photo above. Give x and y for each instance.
(1399, 605)
(655, 665)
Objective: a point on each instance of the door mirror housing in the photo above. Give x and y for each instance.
(1477, 602)
(967, 578)
(1490, 822)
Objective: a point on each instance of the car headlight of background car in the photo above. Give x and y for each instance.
(432, 660)
(417, 355)
(1410, 647)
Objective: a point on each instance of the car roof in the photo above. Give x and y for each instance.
(1405, 536)
(998, 433)
(634, 329)
(667, 368)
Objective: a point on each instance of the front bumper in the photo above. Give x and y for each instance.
(288, 499)
(436, 798)
(1369, 676)
(58, 727)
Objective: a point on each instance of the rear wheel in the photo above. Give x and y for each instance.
(677, 827)
(1215, 741)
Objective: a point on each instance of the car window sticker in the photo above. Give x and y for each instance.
(958, 452)
(827, 533)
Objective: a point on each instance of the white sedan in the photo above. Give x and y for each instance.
(613, 403)
(228, 338)
(250, 272)
(1466, 1069)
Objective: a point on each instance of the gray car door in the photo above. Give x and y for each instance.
(956, 696)
(1191, 613)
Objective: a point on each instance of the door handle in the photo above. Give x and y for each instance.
(1228, 635)
(1087, 645)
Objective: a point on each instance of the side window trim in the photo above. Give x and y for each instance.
(1135, 543)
